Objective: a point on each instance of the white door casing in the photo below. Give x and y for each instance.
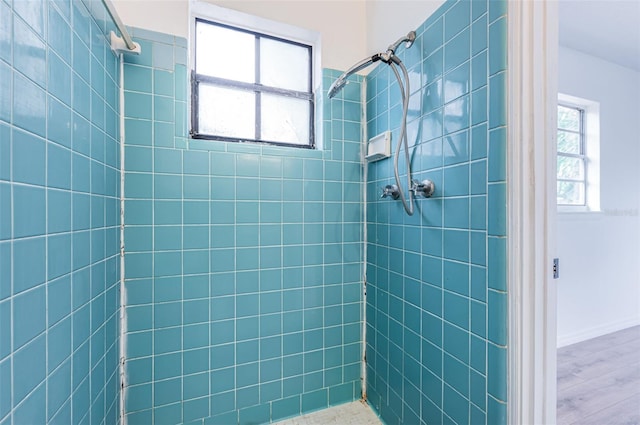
(531, 179)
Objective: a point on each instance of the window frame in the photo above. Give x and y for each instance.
(256, 87)
(582, 156)
(591, 152)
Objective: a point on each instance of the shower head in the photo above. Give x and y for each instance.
(408, 39)
(338, 85)
(342, 80)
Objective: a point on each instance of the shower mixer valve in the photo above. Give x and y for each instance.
(424, 188)
(390, 191)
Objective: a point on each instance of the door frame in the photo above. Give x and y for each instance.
(532, 36)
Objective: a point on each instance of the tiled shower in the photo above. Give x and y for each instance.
(59, 220)
(245, 265)
(436, 282)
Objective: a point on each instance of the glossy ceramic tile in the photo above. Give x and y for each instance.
(29, 51)
(58, 219)
(247, 259)
(478, 33)
(458, 237)
(244, 261)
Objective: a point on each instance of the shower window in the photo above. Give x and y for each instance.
(249, 86)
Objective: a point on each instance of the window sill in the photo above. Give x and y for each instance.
(572, 213)
(255, 148)
(577, 209)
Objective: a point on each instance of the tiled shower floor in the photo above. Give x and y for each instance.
(354, 413)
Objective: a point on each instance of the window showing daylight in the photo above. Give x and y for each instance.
(572, 164)
(249, 86)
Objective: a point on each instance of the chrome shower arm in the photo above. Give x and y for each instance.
(409, 39)
(387, 57)
(342, 80)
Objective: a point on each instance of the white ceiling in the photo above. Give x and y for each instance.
(609, 29)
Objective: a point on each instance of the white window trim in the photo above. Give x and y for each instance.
(591, 127)
(208, 11)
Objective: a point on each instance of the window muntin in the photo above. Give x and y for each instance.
(571, 157)
(249, 86)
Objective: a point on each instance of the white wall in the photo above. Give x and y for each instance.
(388, 20)
(341, 24)
(167, 16)
(350, 30)
(599, 285)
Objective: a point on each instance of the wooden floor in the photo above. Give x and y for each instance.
(599, 380)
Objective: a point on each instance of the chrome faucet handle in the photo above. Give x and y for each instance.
(390, 191)
(424, 188)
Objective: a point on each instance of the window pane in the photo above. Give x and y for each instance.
(570, 168)
(284, 65)
(570, 193)
(285, 119)
(226, 112)
(568, 118)
(225, 53)
(569, 142)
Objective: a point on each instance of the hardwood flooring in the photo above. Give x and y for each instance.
(599, 380)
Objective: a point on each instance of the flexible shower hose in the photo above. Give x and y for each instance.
(404, 90)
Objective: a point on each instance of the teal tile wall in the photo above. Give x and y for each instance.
(243, 262)
(59, 214)
(436, 282)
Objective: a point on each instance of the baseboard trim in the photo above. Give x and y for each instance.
(564, 340)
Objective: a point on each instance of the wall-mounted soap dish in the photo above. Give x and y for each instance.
(379, 147)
